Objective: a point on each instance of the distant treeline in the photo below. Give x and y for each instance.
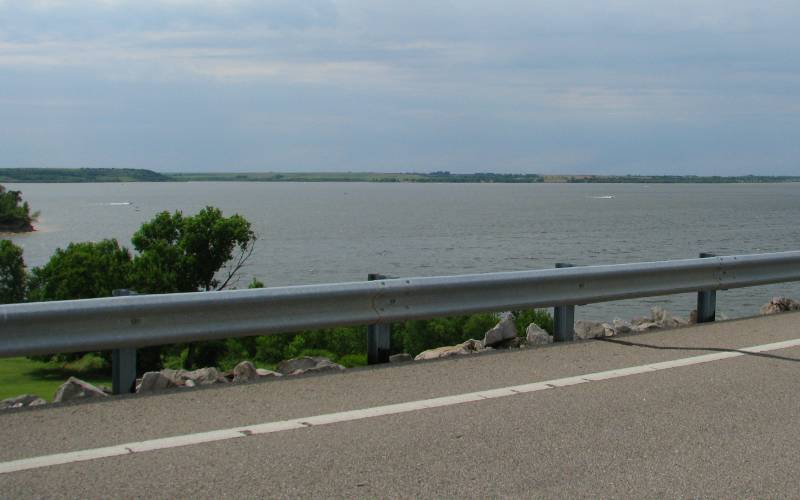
(141, 175)
(80, 175)
(440, 176)
(675, 179)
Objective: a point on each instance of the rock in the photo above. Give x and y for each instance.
(156, 381)
(779, 305)
(22, 401)
(262, 372)
(288, 366)
(645, 326)
(621, 327)
(592, 330)
(441, 352)
(514, 343)
(75, 388)
(659, 318)
(166, 378)
(664, 319)
(244, 372)
(307, 364)
(535, 335)
(468, 347)
(504, 330)
(403, 357)
(201, 376)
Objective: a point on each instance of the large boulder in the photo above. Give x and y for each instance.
(75, 388)
(779, 305)
(157, 381)
(468, 347)
(22, 401)
(502, 331)
(245, 372)
(307, 364)
(535, 335)
(592, 330)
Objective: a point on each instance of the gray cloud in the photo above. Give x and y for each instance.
(575, 86)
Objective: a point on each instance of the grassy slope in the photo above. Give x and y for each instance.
(24, 376)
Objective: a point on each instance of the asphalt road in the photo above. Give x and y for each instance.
(721, 428)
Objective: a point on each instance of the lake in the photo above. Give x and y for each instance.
(335, 232)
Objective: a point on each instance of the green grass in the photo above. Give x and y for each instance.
(24, 376)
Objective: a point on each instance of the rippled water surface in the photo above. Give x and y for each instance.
(333, 232)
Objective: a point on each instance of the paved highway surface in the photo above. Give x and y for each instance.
(710, 420)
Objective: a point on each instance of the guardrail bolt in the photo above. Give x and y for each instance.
(379, 336)
(123, 361)
(564, 317)
(706, 300)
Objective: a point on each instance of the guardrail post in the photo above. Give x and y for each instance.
(379, 337)
(123, 361)
(564, 317)
(706, 300)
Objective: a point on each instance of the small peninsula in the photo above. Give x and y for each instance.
(15, 214)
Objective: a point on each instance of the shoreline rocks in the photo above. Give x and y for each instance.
(778, 305)
(168, 378)
(503, 335)
(307, 364)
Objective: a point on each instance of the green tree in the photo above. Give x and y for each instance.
(185, 254)
(15, 214)
(82, 271)
(12, 273)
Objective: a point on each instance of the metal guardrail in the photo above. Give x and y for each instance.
(144, 320)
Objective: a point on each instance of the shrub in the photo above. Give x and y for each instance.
(539, 316)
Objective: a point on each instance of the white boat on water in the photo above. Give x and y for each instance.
(606, 197)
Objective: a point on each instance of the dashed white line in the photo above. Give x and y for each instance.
(393, 409)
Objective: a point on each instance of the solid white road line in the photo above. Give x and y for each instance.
(377, 411)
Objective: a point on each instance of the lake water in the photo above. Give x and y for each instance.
(335, 232)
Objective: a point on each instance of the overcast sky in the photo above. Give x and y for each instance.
(560, 86)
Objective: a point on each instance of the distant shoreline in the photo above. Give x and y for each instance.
(80, 175)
